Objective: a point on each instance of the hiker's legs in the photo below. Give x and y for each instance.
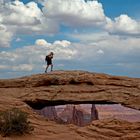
(46, 68)
(51, 67)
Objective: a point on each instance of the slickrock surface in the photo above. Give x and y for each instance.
(72, 86)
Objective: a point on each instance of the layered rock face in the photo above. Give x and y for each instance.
(82, 118)
(49, 113)
(70, 114)
(72, 86)
(94, 113)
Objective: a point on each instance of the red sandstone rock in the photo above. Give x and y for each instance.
(94, 113)
(70, 114)
(72, 86)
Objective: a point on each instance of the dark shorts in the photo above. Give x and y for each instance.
(49, 62)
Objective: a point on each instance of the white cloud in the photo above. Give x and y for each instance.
(89, 37)
(18, 13)
(63, 43)
(30, 58)
(62, 49)
(124, 25)
(42, 42)
(19, 18)
(104, 50)
(3, 67)
(107, 40)
(6, 37)
(23, 67)
(18, 39)
(25, 18)
(16, 68)
(117, 42)
(75, 12)
(8, 56)
(100, 51)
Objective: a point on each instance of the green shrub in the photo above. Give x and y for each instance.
(14, 122)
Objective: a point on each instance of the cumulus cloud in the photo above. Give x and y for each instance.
(105, 47)
(100, 51)
(42, 42)
(63, 43)
(61, 48)
(30, 13)
(102, 48)
(29, 58)
(105, 51)
(19, 18)
(16, 13)
(6, 37)
(77, 13)
(74, 12)
(25, 18)
(124, 25)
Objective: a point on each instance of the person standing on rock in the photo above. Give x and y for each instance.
(48, 59)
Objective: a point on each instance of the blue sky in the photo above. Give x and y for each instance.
(114, 8)
(97, 35)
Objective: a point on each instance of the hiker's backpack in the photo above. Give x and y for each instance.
(46, 58)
